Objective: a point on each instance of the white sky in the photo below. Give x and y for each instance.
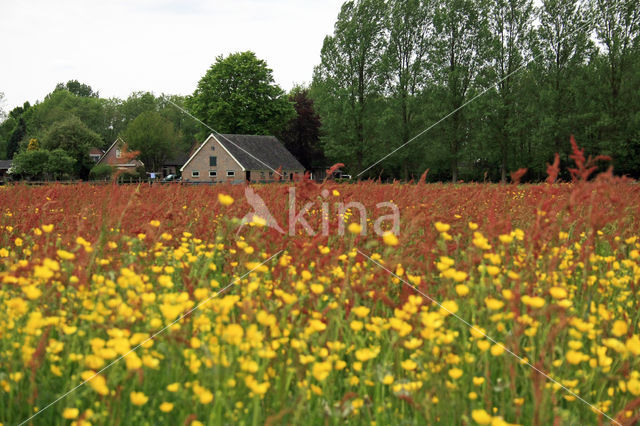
(162, 46)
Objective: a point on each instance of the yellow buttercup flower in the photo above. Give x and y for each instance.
(70, 413)
(166, 407)
(138, 398)
(390, 239)
(225, 200)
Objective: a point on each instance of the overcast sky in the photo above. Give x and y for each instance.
(163, 46)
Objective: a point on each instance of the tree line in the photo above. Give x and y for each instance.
(52, 138)
(466, 89)
(514, 81)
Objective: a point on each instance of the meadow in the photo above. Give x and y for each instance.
(494, 304)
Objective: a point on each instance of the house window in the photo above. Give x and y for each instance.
(213, 161)
(261, 175)
(212, 173)
(231, 173)
(195, 173)
(118, 153)
(213, 147)
(270, 174)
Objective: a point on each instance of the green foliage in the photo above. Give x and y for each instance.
(78, 89)
(238, 95)
(155, 138)
(59, 165)
(346, 84)
(17, 135)
(30, 164)
(75, 138)
(101, 172)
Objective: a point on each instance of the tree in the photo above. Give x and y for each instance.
(75, 138)
(59, 164)
(459, 57)
(563, 38)
(154, 137)
(16, 137)
(301, 135)
(347, 83)
(33, 145)
(30, 164)
(617, 25)
(238, 95)
(410, 25)
(78, 89)
(511, 27)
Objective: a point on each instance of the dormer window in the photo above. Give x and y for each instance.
(118, 153)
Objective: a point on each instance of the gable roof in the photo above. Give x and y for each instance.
(254, 152)
(109, 149)
(119, 142)
(259, 152)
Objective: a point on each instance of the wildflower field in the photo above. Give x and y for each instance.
(485, 291)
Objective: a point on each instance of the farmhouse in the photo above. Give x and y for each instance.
(239, 158)
(119, 157)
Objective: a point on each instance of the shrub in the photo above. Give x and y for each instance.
(101, 172)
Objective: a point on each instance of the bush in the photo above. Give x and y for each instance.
(101, 172)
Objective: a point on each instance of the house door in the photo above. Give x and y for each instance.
(247, 176)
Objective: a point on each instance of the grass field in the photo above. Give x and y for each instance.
(485, 291)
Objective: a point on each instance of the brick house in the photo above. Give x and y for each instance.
(239, 158)
(119, 157)
(95, 154)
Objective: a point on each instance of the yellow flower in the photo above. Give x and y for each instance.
(534, 302)
(620, 328)
(409, 364)
(455, 373)
(448, 307)
(473, 226)
(155, 223)
(497, 350)
(356, 325)
(478, 381)
(493, 304)
(633, 386)
(70, 413)
(481, 417)
(354, 228)
(65, 255)
(32, 292)
(97, 383)
(335, 193)
(558, 292)
(633, 345)
(361, 311)
(442, 227)
(225, 200)
(387, 379)
(462, 290)
(18, 242)
(390, 239)
(173, 387)
(574, 357)
(138, 398)
(321, 370)
(492, 270)
(366, 354)
(166, 407)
